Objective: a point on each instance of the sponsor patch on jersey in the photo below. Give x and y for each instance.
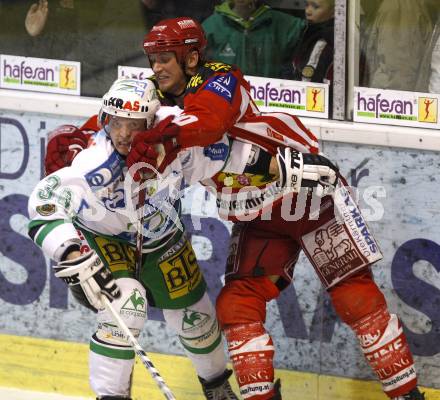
(357, 227)
(218, 66)
(333, 252)
(106, 173)
(135, 305)
(118, 256)
(46, 209)
(216, 151)
(194, 320)
(195, 81)
(238, 181)
(181, 271)
(223, 86)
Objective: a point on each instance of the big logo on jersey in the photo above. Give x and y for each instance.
(181, 271)
(223, 85)
(106, 173)
(118, 256)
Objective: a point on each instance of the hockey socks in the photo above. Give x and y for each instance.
(251, 351)
(385, 347)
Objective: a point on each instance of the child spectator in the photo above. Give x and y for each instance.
(313, 56)
(252, 35)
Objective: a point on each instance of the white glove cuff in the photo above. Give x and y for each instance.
(291, 166)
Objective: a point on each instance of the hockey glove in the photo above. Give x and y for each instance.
(307, 170)
(64, 143)
(92, 276)
(141, 153)
(165, 133)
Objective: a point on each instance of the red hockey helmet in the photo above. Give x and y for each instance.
(180, 35)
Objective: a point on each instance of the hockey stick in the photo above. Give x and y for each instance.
(141, 214)
(140, 230)
(139, 350)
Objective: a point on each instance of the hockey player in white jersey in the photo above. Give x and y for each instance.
(83, 217)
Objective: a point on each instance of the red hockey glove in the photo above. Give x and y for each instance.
(64, 143)
(141, 152)
(142, 148)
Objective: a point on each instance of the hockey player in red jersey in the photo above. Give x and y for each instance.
(264, 250)
(215, 98)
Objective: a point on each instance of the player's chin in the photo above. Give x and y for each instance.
(164, 86)
(123, 149)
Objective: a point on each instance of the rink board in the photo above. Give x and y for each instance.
(61, 367)
(399, 195)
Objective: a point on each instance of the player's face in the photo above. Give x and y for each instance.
(122, 132)
(168, 72)
(319, 11)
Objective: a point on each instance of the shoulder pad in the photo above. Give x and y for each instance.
(205, 72)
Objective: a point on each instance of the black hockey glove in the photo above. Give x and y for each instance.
(90, 274)
(307, 170)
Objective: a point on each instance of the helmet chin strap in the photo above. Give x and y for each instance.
(107, 133)
(106, 130)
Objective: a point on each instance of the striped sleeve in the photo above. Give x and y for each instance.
(52, 236)
(52, 206)
(271, 130)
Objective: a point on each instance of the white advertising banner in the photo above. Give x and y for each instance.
(392, 107)
(305, 99)
(134, 72)
(40, 74)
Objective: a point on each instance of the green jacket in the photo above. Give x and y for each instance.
(259, 46)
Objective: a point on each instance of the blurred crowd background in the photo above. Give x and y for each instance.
(399, 46)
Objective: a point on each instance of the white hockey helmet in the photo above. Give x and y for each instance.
(130, 98)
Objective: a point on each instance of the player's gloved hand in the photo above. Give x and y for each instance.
(144, 153)
(64, 143)
(299, 170)
(165, 133)
(92, 276)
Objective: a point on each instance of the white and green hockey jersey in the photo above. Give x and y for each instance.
(96, 193)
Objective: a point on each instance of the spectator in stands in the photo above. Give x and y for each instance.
(312, 59)
(53, 29)
(395, 43)
(430, 72)
(156, 10)
(252, 35)
(36, 18)
(434, 80)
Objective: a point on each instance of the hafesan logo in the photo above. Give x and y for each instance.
(68, 76)
(315, 99)
(428, 109)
